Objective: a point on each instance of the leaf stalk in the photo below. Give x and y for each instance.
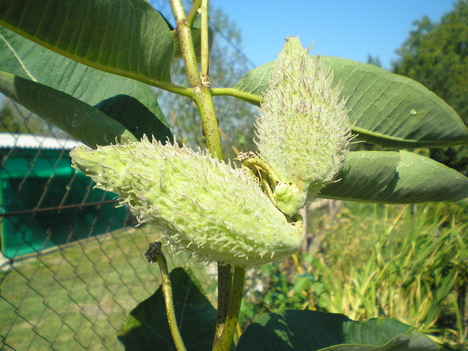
(247, 97)
(205, 45)
(193, 12)
(154, 254)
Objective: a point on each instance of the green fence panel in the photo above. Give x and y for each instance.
(46, 203)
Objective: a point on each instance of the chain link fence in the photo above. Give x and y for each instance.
(71, 265)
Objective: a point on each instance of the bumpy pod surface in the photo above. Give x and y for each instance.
(202, 205)
(303, 130)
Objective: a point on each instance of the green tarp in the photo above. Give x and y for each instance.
(43, 202)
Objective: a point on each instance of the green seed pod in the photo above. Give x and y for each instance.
(202, 205)
(303, 130)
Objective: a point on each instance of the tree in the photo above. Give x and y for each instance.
(374, 60)
(436, 55)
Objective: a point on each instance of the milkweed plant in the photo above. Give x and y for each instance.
(238, 213)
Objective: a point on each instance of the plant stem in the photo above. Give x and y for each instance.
(224, 293)
(205, 45)
(242, 95)
(153, 254)
(225, 341)
(201, 93)
(193, 12)
(167, 292)
(202, 97)
(204, 102)
(268, 191)
(173, 88)
(255, 162)
(235, 303)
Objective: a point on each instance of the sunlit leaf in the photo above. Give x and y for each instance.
(396, 178)
(384, 108)
(124, 37)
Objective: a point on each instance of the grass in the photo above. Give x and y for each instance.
(77, 298)
(405, 262)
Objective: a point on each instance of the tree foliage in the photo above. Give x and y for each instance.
(436, 55)
(374, 60)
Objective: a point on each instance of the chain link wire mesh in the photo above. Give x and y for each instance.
(72, 266)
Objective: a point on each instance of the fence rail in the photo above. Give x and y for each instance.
(57, 208)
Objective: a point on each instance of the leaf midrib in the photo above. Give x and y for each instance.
(109, 69)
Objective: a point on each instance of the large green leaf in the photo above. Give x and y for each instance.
(379, 331)
(124, 37)
(75, 117)
(314, 331)
(396, 177)
(384, 108)
(146, 327)
(127, 101)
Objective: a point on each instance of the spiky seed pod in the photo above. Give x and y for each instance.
(202, 205)
(303, 130)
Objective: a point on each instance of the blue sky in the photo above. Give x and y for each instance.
(344, 28)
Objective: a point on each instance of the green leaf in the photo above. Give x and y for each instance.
(256, 81)
(124, 37)
(75, 117)
(386, 334)
(395, 178)
(385, 108)
(146, 327)
(127, 101)
(314, 331)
